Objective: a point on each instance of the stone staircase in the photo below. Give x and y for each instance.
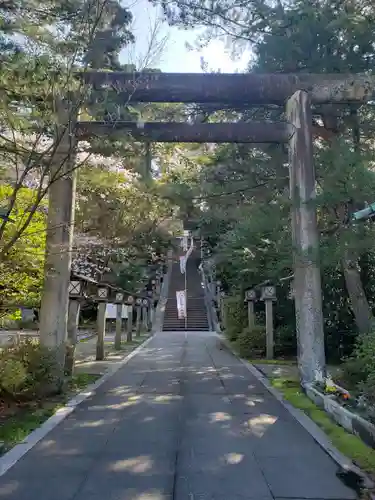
(196, 307)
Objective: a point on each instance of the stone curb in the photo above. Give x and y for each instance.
(17, 452)
(351, 421)
(309, 425)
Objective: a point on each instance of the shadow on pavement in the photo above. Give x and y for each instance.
(183, 420)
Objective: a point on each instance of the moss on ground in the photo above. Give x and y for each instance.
(127, 346)
(262, 361)
(24, 419)
(348, 444)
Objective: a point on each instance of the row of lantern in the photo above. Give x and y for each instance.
(79, 290)
(82, 288)
(267, 292)
(268, 296)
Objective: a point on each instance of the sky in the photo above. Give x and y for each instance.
(175, 58)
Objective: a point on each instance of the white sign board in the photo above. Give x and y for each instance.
(110, 312)
(181, 304)
(182, 264)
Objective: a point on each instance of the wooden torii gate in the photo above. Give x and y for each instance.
(296, 92)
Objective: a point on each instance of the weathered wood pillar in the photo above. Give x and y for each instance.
(144, 315)
(100, 347)
(129, 330)
(270, 354)
(151, 313)
(138, 316)
(250, 314)
(60, 221)
(119, 307)
(307, 282)
(76, 296)
(118, 327)
(223, 310)
(250, 297)
(269, 296)
(218, 294)
(73, 321)
(101, 320)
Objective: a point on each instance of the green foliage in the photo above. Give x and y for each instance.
(41, 48)
(285, 341)
(27, 370)
(358, 371)
(353, 373)
(13, 375)
(117, 207)
(235, 316)
(21, 270)
(129, 220)
(251, 343)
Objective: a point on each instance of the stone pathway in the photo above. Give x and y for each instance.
(183, 420)
(86, 353)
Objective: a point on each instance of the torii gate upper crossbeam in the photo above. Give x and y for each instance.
(244, 88)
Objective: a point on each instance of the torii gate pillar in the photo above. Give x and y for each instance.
(307, 282)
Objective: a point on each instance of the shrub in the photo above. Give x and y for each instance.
(12, 376)
(358, 371)
(235, 316)
(285, 341)
(352, 373)
(34, 370)
(252, 343)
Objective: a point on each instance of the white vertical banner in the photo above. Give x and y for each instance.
(181, 304)
(182, 264)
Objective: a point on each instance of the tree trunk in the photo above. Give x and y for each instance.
(361, 309)
(360, 306)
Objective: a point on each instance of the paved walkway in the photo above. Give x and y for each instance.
(183, 420)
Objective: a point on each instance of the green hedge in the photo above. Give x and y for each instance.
(27, 370)
(251, 343)
(235, 316)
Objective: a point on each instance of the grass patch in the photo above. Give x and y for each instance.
(80, 381)
(86, 339)
(126, 346)
(348, 444)
(261, 361)
(16, 422)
